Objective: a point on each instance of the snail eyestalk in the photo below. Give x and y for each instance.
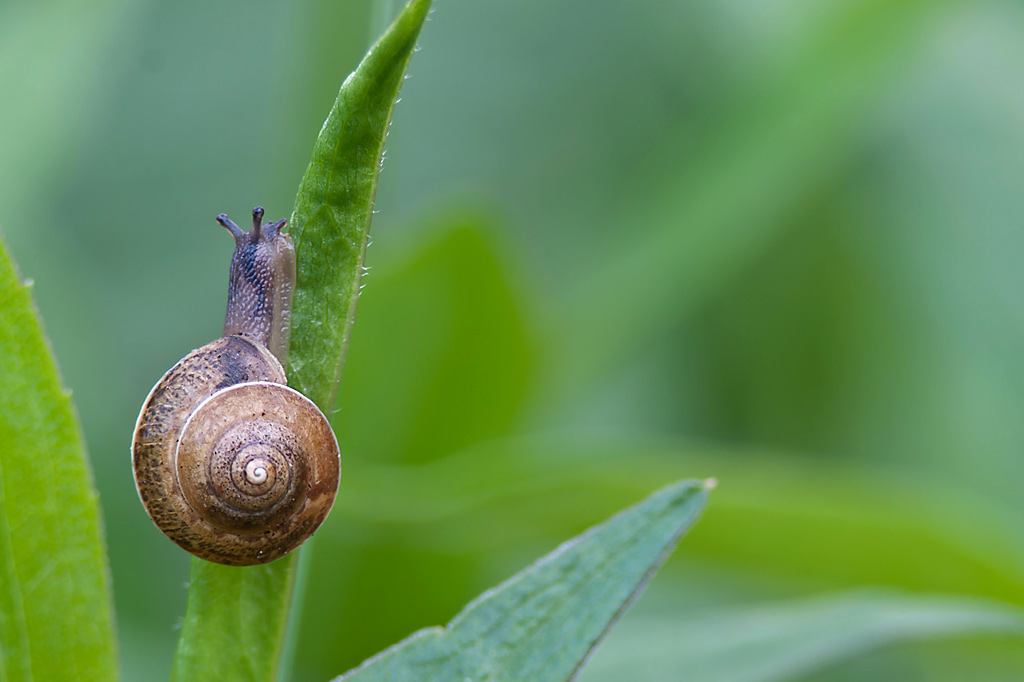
(261, 284)
(237, 232)
(257, 221)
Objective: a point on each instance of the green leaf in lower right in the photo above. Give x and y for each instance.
(543, 623)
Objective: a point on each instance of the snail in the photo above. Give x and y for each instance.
(230, 463)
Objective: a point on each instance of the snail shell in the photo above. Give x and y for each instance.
(231, 464)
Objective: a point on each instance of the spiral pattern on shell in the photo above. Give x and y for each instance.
(230, 463)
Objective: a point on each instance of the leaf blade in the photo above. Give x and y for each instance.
(236, 619)
(543, 623)
(45, 483)
(330, 225)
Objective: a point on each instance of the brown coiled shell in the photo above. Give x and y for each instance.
(230, 463)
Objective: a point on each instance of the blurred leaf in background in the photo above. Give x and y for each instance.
(788, 641)
(618, 244)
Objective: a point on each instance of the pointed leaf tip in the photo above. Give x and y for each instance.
(330, 224)
(543, 623)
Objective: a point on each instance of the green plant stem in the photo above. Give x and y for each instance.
(244, 609)
(301, 580)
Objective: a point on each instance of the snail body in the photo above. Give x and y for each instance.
(232, 464)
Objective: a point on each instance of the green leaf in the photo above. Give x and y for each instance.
(55, 607)
(789, 640)
(542, 624)
(236, 619)
(331, 221)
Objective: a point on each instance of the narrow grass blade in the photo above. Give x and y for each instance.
(56, 621)
(543, 623)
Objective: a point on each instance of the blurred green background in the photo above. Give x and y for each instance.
(777, 242)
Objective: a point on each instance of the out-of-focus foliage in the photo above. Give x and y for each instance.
(780, 642)
(716, 231)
